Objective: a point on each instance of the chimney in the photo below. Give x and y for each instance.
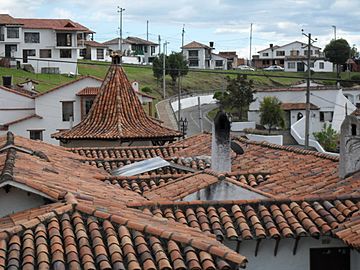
(7, 81)
(271, 45)
(349, 146)
(220, 148)
(115, 58)
(211, 43)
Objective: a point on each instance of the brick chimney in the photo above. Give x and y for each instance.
(220, 148)
(349, 146)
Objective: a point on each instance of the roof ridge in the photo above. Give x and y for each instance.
(288, 148)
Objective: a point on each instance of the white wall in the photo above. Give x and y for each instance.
(240, 126)
(276, 139)
(288, 48)
(17, 200)
(49, 106)
(201, 57)
(192, 101)
(285, 260)
(14, 106)
(215, 57)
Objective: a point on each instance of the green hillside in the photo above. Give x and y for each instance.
(194, 81)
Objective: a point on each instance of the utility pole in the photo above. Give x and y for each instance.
(120, 11)
(147, 30)
(307, 114)
(250, 62)
(200, 115)
(159, 41)
(334, 26)
(164, 59)
(182, 37)
(179, 78)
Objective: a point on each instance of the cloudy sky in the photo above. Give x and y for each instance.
(226, 22)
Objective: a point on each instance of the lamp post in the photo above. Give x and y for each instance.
(183, 123)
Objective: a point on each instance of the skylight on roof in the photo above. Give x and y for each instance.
(147, 166)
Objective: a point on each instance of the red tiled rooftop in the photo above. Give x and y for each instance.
(297, 106)
(117, 114)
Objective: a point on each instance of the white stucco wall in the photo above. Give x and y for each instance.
(14, 106)
(285, 260)
(49, 107)
(192, 101)
(47, 41)
(276, 139)
(17, 200)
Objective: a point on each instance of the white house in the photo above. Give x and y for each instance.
(135, 50)
(39, 116)
(94, 51)
(292, 57)
(200, 56)
(48, 45)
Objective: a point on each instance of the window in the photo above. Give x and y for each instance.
(32, 37)
(193, 63)
(317, 52)
(330, 258)
(88, 104)
(65, 53)
(100, 53)
(67, 110)
(45, 53)
(280, 53)
(193, 53)
(27, 53)
(294, 53)
(13, 32)
(152, 49)
(311, 64)
(265, 54)
(311, 52)
(82, 52)
(145, 49)
(291, 65)
(321, 65)
(63, 39)
(36, 134)
(218, 63)
(326, 116)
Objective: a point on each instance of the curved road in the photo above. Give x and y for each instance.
(192, 115)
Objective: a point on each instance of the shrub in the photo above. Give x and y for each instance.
(328, 138)
(146, 89)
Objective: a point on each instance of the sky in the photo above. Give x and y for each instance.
(225, 22)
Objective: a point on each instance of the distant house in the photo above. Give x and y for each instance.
(94, 51)
(232, 59)
(292, 57)
(39, 43)
(135, 50)
(201, 56)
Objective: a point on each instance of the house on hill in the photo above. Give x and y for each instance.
(116, 118)
(201, 56)
(42, 45)
(292, 57)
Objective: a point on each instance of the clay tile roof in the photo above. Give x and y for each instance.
(89, 225)
(54, 24)
(195, 45)
(93, 43)
(7, 19)
(297, 106)
(117, 114)
(89, 91)
(349, 231)
(269, 218)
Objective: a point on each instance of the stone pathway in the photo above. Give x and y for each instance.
(165, 114)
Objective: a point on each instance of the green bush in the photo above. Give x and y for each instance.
(146, 89)
(328, 138)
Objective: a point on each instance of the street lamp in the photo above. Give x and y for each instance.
(183, 123)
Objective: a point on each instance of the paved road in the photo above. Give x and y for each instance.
(192, 115)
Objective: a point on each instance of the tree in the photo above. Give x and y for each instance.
(157, 67)
(177, 65)
(328, 138)
(271, 113)
(238, 95)
(354, 52)
(337, 51)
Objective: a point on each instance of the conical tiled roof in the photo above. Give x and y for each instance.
(117, 114)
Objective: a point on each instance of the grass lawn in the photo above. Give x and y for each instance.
(194, 81)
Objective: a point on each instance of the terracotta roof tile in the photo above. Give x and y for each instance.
(125, 118)
(195, 45)
(297, 106)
